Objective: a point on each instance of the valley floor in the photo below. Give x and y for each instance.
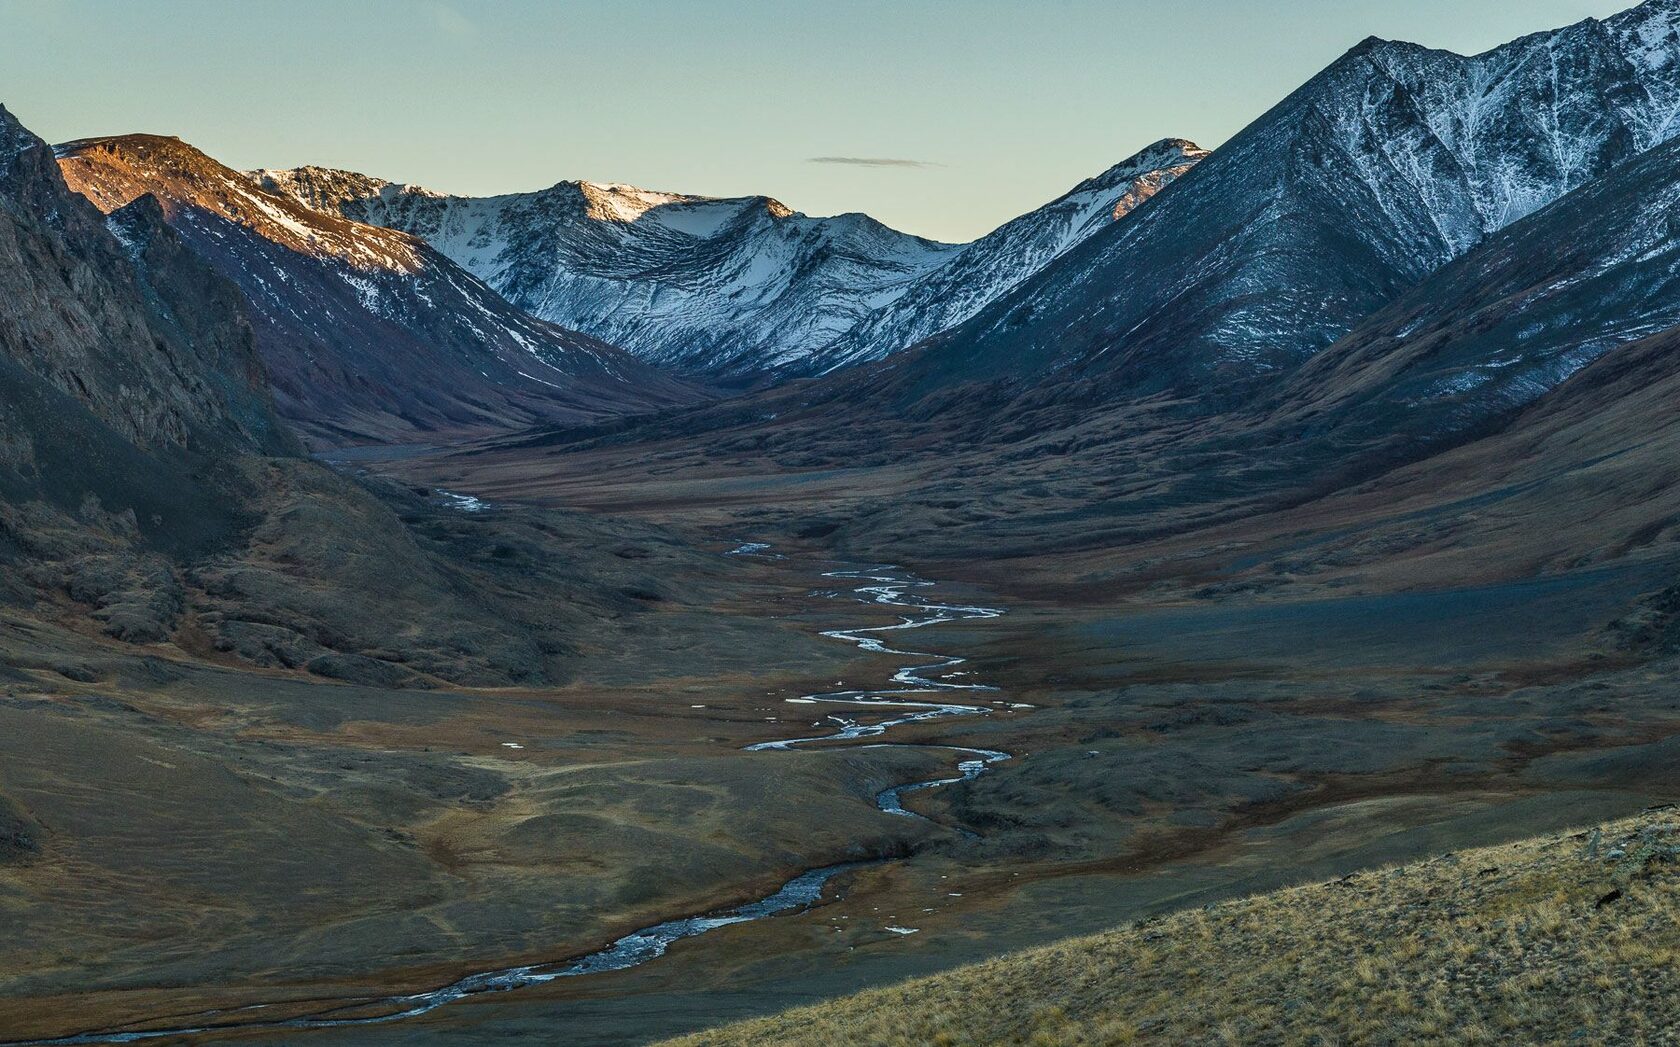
(1186, 747)
(1194, 736)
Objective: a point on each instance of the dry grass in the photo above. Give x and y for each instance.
(1567, 939)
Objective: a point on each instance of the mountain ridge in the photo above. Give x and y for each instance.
(751, 289)
(986, 269)
(1385, 166)
(737, 288)
(369, 334)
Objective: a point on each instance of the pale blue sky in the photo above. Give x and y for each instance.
(1008, 103)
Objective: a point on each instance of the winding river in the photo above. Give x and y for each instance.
(913, 697)
(914, 685)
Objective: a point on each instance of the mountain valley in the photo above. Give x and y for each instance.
(411, 603)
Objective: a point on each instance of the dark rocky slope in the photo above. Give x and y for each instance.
(128, 369)
(368, 334)
(150, 493)
(1389, 164)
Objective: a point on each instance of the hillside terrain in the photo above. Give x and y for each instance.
(1392, 162)
(268, 725)
(1568, 938)
(1413, 588)
(368, 335)
(152, 491)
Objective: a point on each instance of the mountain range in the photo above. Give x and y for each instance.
(1405, 255)
(1401, 255)
(154, 487)
(369, 335)
(1392, 162)
(739, 290)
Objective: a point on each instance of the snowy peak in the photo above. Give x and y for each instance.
(622, 203)
(997, 263)
(1649, 38)
(1510, 130)
(1128, 184)
(1650, 30)
(369, 333)
(1389, 164)
(744, 288)
(1514, 319)
(364, 198)
(613, 202)
(325, 189)
(15, 139)
(1165, 155)
(114, 171)
(699, 216)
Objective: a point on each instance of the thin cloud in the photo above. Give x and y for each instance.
(871, 161)
(450, 21)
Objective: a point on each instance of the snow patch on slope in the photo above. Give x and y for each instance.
(741, 287)
(737, 287)
(995, 264)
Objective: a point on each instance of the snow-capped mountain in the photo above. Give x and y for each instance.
(1389, 164)
(740, 288)
(732, 288)
(1515, 318)
(367, 333)
(990, 267)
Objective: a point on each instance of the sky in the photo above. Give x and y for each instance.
(941, 117)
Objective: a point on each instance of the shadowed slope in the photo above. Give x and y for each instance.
(744, 289)
(369, 334)
(1390, 163)
(128, 370)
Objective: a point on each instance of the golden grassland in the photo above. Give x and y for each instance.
(1570, 939)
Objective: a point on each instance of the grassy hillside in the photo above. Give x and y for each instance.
(1563, 939)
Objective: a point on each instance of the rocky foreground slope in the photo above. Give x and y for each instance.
(368, 334)
(1570, 938)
